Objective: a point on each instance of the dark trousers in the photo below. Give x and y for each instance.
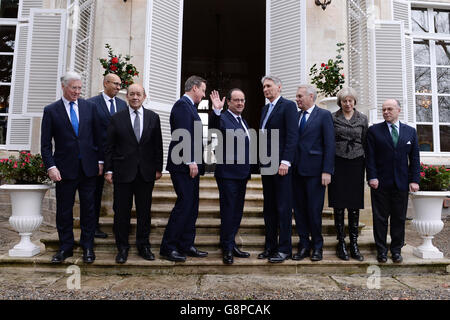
(389, 204)
(180, 231)
(65, 199)
(232, 198)
(123, 203)
(277, 191)
(308, 196)
(100, 182)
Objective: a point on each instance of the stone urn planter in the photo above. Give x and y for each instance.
(330, 104)
(26, 217)
(427, 221)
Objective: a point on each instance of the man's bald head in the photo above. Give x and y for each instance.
(112, 84)
(391, 110)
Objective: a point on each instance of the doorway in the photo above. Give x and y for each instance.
(224, 41)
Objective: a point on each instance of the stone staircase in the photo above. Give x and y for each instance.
(250, 238)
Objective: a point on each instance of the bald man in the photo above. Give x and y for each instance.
(107, 103)
(133, 162)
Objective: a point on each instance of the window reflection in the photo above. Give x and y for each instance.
(423, 79)
(443, 53)
(4, 98)
(419, 17)
(9, 8)
(3, 129)
(422, 52)
(442, 21)
(6, 64)
(444, 109)
(425, 134)
(424, 108)
(443, 80)
(444, 134)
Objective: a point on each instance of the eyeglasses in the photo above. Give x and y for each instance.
(238, 100)
(115, 83)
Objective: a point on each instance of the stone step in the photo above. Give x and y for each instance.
(209, 243)
(105, 265)
(208, 186)
(212, 226)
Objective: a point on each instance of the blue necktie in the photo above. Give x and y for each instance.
(112, 108)
(302, 122)
(73, 118)
(267, 115)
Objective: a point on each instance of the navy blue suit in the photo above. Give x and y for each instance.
(180, 231)
(314, 155)
(277, 190)
(231, 177)
(395, 168)
(77, 158)
(104, 117)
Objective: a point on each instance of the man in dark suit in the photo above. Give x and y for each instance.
(185, 168)
(133, 162)
(106, 104)
(393, 169)
(278, 117)
(74, 165)
(314, 165)
(232, 170)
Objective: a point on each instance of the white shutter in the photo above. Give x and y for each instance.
(359, 50)
(162, 70)
(25, 7)
(19, 133)
(286, 43)
(410, 82)
(18, 76)
(389, 65)
(83, 41)
(45, 59)
(401, 11)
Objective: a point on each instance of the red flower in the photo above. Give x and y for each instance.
(422, 174)
(115, 60)
(113, 68)
(343, 76)
(15, 165)
(327, 67)
(323, 65)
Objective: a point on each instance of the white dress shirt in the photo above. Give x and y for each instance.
(108, 101)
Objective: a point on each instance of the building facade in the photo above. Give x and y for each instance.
(394, 49)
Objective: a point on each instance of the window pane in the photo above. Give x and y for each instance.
(3, 128)
(442, 21)
(422, 52)
(4, 98)
(6, 64)
(444, 109)
(424, 110)
(7, 38)
(443, 80)
(423, 79)
(443, 53)
(419, 19)
(9, 8)
(444, 133)
(425, 134)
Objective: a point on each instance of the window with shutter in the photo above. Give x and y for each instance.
(286, 43)
(162, 68)
(25, 7)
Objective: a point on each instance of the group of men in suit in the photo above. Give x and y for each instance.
(104, 139)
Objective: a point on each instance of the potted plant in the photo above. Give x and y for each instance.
(329, 78)
(427, 203)
(26, 179)
(120, 66)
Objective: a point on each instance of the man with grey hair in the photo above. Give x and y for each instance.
(77, 160)
(313, 167)
(279, 116)
(106, 105)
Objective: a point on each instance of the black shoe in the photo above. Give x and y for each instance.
(61, 255)
(279, 257)
(240, 254)
(100, 234)
(302, 254)
(316, 255)
(88, 256)
(174, 256)
(146, 253)
(382, 257)
(194, 252)
(228, 257)
(265, 254)
(122, 256)
(397, 258)
(354, 251)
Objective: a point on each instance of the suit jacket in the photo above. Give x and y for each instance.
(284, 118)
(393, 166)
(69, 149)
(230, 169)
(103, 113)
(316, 145)
(183, 116)
(124, 155)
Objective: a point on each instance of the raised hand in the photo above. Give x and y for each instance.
(215, 99)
